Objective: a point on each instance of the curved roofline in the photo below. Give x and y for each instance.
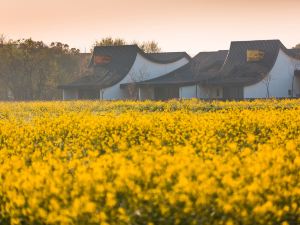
(133, 51)
(145, 55)
(254, 72)
(148, 56)
(269, 68)
(273, 64)
(226, 59)
(235, 42)
(284, 50)
(179, 71)
(152, 59)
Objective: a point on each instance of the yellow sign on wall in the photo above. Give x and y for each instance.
(255, 55)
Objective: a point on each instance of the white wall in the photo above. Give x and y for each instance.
(280, 79)
(188, 92)
(114, 92)
(142, 69)
(201, 92)
(70, 94)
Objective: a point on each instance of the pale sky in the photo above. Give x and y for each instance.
(177, 25)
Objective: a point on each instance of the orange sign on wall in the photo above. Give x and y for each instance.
(101, 59)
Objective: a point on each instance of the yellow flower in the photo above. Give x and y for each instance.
(123, 162)
(251, 138)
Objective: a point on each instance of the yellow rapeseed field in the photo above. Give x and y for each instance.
(150, 163)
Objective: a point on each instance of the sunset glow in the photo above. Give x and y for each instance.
(177, 25)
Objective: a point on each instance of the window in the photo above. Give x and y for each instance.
(255, 55)
(101, 59)
(233, 93)
(165, 93)
(88, 94)
(290, 92)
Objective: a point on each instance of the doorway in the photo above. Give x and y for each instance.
(233, 92)
(88, 94)
(166, 93)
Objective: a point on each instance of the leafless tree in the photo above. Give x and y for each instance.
(135, 77)
(2, 39)
(146, 46)
(267, 78)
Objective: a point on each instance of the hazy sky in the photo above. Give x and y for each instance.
(177, 25)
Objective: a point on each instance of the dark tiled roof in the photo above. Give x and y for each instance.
(210, 68)
(232, 69)
(113, 72)
(295, 52)
(106, 75)
(167, 56)
(199, 68)
(237, 71)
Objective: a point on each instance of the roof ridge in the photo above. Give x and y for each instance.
(164, 52)
(261, 40)
(116, 46)
(205, 52)
(165, 57)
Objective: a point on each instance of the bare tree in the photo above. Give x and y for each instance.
(146, 46)
(2, 40)
(149, 46)
(135, 77)
(109, 41)
(266, 81)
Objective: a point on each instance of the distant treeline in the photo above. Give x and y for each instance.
(32, 70)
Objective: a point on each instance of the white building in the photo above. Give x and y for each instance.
(116, 65)
(249, 69)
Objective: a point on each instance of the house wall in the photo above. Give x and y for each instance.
(280, 80)
(199, 91)
(188, 92)
(142, 69)
(70, 94)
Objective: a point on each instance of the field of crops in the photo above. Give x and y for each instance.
(150, 163)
